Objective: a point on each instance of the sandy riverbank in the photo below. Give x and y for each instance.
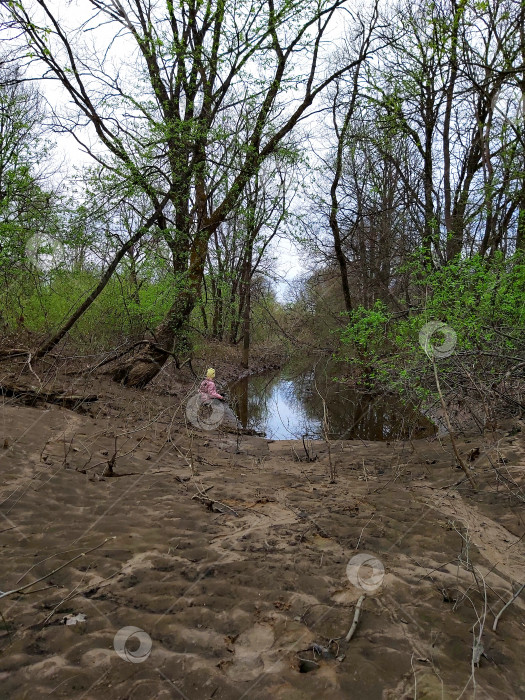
(232, 557)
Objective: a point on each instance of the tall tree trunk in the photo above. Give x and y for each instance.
(470, 167)
(204, 318)
(171, 336)
(520, 232)
(458, 12)
(341, 261)
(428, 186)
(247, 306)
(236, 321)
(334, 201)
(233, 319)
(217, 311)
(520, 238)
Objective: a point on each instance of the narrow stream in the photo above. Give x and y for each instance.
(286, 405)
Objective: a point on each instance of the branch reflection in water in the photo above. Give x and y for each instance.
(285, 405)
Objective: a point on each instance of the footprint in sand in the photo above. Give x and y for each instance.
(250, 646)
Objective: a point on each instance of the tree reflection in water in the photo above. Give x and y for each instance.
(287, 405)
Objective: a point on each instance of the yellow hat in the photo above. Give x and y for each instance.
(210, 374)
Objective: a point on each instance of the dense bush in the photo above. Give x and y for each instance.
(481, 301)
(45, 301)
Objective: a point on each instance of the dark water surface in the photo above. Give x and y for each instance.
(286, 405)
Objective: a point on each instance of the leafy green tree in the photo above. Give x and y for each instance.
(28, 217)
(23, 201)
(167, 121)
(480, 302)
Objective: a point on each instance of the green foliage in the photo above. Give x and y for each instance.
(25, 205)
(481, 301)
(476, 298)
(120, 311)
(366, 332)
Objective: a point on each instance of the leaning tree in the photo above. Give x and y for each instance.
(151, 87)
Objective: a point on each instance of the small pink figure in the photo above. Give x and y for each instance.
(207, 389)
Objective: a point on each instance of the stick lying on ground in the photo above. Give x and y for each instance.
(59, 568)
(357, 612)
(496, 619)
(31, 396)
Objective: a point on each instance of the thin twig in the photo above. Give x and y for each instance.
(496, 619)
(59, 568)
(359, 540)
(449, 427)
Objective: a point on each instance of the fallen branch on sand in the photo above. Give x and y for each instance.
(327, 652)
(31, 396)
(355, 621)
(215, 506)
(59, 568)
(13, 352)
(91, 588)
(496, 619)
